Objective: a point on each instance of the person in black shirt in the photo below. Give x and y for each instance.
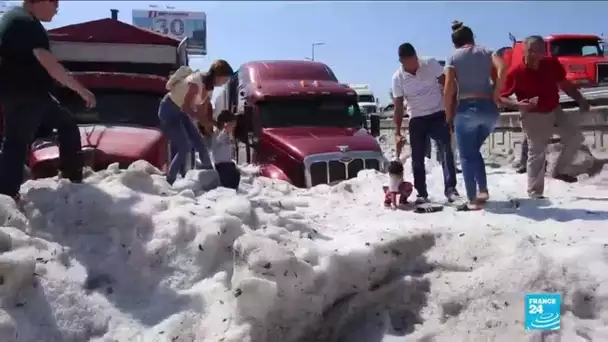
(28, 70)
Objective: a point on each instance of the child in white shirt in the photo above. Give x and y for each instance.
(222, 145)
(396, 187)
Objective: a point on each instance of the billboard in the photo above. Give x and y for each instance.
(176, 24)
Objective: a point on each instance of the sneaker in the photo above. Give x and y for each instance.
(521, 169)
(421, 200)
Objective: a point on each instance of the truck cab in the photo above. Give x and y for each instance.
(126, 68)
(298, 123)
(582, 56)
(368, 103)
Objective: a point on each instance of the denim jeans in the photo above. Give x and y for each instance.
(474, 122)
(23, 116)
(183, 136)
(434, 127)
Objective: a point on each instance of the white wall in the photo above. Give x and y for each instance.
(100, 52)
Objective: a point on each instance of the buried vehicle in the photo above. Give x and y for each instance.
(298, 123)
(126, 68)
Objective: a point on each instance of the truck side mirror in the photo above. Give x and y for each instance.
(244, 124)
(374, 124)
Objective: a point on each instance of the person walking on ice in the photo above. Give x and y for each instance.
(189, 91)
(418, 81)
(536, 82)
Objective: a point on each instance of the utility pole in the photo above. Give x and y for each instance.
(313, 49)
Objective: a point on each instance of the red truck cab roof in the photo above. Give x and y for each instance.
(286, 78)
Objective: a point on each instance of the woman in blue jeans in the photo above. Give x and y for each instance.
(473, 112)
(188, 93)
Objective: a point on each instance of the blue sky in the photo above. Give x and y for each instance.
(361, 38)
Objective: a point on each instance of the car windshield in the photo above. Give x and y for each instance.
(576, 47)
(114, 106)
(310, 112)
(366, 98)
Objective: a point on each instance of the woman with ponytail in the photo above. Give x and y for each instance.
(188, 93)
(471, 107)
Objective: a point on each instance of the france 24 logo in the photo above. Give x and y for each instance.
(543, 311)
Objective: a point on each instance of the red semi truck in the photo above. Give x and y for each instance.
(298, 123)
(126, 68)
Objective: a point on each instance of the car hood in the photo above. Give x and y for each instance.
(305, 141)
(124, 142)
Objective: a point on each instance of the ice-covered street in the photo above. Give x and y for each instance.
(124, 257)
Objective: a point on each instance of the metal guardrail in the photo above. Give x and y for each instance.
(510, 120)
(595, 93)
(597, 96)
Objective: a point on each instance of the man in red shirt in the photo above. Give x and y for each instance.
(536, 83)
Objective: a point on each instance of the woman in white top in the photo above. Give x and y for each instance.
(188, 93)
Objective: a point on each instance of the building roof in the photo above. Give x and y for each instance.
(109, 31)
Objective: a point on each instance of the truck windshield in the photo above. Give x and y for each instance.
(307, 112)
(366, 98)
(114, 106)
(576, 47)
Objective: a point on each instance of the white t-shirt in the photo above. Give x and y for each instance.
(179, 91)
(393, 183)
(421, 91)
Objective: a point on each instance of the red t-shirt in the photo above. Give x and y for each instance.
(528, 83)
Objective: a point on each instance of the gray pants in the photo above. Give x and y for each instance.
(539, 128)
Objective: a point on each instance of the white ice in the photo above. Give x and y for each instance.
(125, 257)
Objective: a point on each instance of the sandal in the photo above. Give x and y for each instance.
(471, 206)
(483, 196)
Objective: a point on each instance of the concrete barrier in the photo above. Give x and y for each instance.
(508, 134)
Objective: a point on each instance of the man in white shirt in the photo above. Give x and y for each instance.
(418, 81)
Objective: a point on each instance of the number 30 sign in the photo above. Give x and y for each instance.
(176, 24)
(174, 27)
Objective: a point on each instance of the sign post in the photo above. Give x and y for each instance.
(176, 24)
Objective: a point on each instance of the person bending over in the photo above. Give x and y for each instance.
(177, 110)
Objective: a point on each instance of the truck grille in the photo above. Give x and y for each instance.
(328, 172)
(602, 73)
